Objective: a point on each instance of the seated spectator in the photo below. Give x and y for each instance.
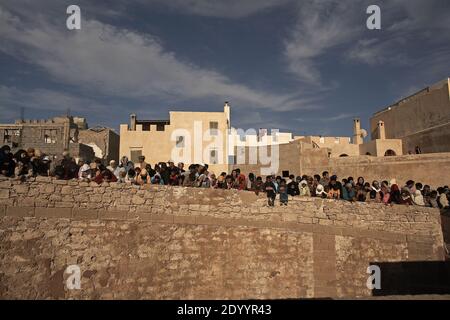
(114, 168)
(320, 191)
(334, 188)
(131, 175)
(418, 198)
(125, 163)
(157, 179)
(143, 177)
(304, 189)
(293, 187)
(376, 194)
(405, 197)
(85, 173)
(122, 177)
(349, 193)
(433, 199)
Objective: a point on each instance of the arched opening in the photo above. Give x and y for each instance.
(390, 153)
(343, 155)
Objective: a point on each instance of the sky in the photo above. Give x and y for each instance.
(306, 67)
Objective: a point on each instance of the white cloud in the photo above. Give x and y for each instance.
(102, 59)
(321, 25)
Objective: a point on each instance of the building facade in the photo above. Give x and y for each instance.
(51, 137)
(104, 141)
(188, 137)
(421, 121)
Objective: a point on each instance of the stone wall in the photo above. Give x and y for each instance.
(424, 168)
(294, 157)
(157, 242)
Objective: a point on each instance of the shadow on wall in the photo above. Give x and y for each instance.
(413, 278)
(445, 223)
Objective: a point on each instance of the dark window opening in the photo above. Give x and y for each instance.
(390, 153)
(135, 154)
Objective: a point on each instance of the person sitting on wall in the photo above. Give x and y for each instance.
(7, 163)
(349, 193)
(125, 163)
(304, 190)
(320, 191)
(293, 186)
(335, 190)
(405, 197)
(143, 177)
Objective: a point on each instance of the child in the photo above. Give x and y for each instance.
(283, 193)
(269, 187)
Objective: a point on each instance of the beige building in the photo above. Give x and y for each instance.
(188, 137)
(421, 121)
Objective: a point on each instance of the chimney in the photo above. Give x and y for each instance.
(357, 139)
(226, 110)
(132, 122)
(381, 131)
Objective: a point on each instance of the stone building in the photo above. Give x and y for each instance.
(421, 121)
(189, 137)
(104, 141)
(52, 137)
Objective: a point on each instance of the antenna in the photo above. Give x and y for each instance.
(22, 114)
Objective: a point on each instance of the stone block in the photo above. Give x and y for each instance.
(20, 211)
(53, 212)
(78, 213)
(112, 215)
(4, 193)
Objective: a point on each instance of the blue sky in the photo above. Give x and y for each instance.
(303, 66)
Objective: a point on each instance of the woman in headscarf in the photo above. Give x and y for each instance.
(304, 189)
(395, 195)
(418, 198)
(405, 197)
(320, 192)
(376, 194)
(242, 184)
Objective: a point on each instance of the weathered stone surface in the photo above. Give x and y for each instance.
(159, 242)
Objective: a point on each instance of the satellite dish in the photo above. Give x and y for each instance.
(363, 133)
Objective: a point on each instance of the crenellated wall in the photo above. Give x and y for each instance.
(158, 242)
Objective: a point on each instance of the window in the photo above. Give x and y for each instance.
(180, 142)
(7, 136)
(135, 154)
(275, 137)
(146, 126)
(231, 159)
(214, 128)
(213, 156)
(343, 155)
(50, 135)
(389, 153)
(160, 127)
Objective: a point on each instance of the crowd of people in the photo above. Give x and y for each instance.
(31, 162)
